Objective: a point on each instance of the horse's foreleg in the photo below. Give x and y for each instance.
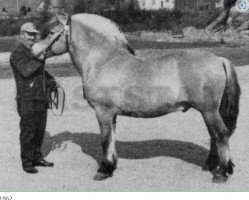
(220, 136)
(106, 120)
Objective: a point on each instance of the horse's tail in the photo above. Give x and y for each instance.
(229, 108)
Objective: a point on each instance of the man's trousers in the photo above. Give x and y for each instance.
(33, 121)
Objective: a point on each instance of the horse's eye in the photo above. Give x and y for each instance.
(51, 32)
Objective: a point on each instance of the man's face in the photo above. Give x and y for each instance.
(29, 37)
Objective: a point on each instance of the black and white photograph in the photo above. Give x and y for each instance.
(124, 96)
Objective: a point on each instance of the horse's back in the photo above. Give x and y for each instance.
(152, 87)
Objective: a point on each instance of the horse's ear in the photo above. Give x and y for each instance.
(62, 17)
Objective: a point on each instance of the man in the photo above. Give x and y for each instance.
(32, 83)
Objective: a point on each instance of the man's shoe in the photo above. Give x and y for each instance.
(30, 169)
(43, 163)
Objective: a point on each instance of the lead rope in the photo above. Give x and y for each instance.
(68, 31)
(54, 100)
(54, 94)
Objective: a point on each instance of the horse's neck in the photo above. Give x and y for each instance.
(88, 50)
(87, 60)
(99, 56)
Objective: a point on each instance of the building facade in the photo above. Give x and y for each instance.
(192, 6)
(155, 4)
(179, 5)
(219, 3)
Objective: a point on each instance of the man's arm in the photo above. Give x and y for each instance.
(25, 64)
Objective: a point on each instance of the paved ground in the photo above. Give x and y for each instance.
(164, 153)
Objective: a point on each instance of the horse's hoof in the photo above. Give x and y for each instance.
(230, 170)
(218, 178)
(230, 167)
(101, 176)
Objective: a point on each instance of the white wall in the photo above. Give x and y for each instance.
(156, 4)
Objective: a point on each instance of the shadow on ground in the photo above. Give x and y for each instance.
(90, 144)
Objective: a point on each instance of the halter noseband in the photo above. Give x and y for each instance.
(66, 31)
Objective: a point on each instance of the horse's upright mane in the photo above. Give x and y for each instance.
(101, 25)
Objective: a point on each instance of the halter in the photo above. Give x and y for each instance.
(67, 31)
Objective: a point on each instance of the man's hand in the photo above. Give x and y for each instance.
(38, 49)
(42, 56)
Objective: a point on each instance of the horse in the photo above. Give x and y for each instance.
(117, 82)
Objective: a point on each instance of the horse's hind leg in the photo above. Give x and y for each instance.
(219, 145)
(107, 123)
(212, 162)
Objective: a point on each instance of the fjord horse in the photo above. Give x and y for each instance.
(115, 82)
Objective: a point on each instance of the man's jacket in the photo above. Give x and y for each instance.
(30, 76)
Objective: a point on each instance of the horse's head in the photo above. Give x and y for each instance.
(54, 30)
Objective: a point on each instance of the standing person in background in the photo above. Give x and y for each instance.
(32, 83)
